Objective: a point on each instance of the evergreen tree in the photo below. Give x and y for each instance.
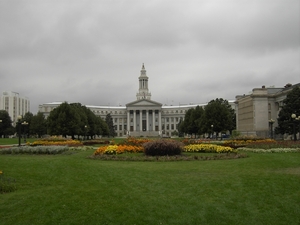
(26, 122)
(219, 116)
(38, 125)
(181, 128)
(64, 120)
(6, 127)
(291, 105)
(110, 124)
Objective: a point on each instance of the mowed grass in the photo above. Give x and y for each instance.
(72, 189)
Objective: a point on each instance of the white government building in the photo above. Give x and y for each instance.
(142, 117)
(257, 112)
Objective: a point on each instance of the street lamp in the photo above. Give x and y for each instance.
(212, 128)
(19, 128)
(85, 131)
(271, 121)
(25, 125)
(294, 118)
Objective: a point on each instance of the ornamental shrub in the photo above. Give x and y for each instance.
(162, 148)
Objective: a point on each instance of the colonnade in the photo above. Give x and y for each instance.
(144, 120)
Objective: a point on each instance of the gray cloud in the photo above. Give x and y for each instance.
(92, 51)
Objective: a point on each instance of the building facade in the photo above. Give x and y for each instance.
(14, 104)
(142, 117)
(256, 111)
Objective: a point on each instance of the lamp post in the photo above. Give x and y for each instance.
(295, 120)
(19, 129)
(85, 131)
(271, 121)
(212, 131)
(294, 117)
(25, 125)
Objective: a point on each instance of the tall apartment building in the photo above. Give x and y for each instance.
(255, 110)
(14, 104)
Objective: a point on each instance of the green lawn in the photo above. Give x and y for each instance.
(72, 189)
(14, 141)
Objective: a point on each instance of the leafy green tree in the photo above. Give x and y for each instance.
(102, 127)
(291, 105)
(110, 124)
(187, 123)
(219, 116)
(199, 120)
(83, 124)
(180, 128)
(6, 127)
(38, 125)
(64, 120)
(192, 121)
(26, 121)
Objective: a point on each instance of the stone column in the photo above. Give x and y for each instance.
(153, 120)
(159, 120)
(134, 120)
(141, 120)
(147, 119)
(128, 121)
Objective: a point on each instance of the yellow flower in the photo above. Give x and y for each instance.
(1, 172)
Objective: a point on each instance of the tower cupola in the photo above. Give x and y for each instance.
(143, 86)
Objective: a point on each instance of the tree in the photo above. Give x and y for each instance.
(186, 126)
(6, 127)
(192, 122)
(102, 127)
(83, 125)
(291, 105)
(181, 128)
(110, 124)
(26, 121)
(219, 116)
(38, 125)
(64, 120)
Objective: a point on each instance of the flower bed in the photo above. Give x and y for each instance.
(35, 150)
(67, 142)
(271, 150)
(118, 149)
(135, 141)
(207, 148)
(245, 142)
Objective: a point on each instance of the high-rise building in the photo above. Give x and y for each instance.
(14, 104)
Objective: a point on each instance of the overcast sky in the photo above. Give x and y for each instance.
(92, 51)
